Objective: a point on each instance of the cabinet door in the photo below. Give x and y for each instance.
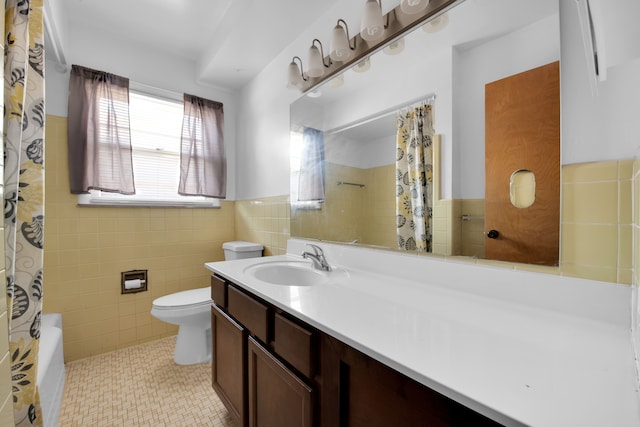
(228, 364)
(295, 344)
(277, 397)
(358, 391)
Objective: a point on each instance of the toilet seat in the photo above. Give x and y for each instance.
(184, 299)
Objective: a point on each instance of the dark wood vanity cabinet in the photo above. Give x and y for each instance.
(259, 385)
(273, 370)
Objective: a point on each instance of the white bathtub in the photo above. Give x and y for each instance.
(51, 368)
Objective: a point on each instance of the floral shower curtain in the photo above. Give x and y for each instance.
(24, 117)
(414, 179)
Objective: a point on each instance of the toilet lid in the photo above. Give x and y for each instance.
(184, 298)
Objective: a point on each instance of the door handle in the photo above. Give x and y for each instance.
(493, 234)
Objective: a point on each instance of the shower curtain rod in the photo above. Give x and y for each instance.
(429, 99)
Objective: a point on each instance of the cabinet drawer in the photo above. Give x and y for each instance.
(219, 291)
(295, 344)
(251, 313)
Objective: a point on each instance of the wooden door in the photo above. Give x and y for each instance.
(277, 397)
(522, 132)
(228, 363)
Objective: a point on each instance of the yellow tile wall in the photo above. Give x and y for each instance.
(87, 248)
(472, 230)
(378, 218)
(340, 218)
(265, 221)
(597, 221)
(365, 214)
(447, 228)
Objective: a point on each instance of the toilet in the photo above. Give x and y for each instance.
(191, 311)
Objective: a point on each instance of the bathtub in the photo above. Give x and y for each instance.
(51, 368)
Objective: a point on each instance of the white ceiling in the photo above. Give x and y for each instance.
(230, 41)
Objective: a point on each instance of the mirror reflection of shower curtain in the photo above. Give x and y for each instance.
(311, 181)
(414, 178)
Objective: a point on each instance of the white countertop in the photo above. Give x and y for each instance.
(522, 348)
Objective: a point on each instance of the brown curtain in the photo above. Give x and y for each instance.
(99, 138)
(203, 165)
(312, 173)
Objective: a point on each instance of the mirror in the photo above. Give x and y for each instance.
(478, 43)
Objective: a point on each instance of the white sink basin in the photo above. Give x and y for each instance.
(292, 273)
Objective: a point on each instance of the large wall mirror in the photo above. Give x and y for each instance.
(448, 66)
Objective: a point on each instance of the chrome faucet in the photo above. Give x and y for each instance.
(317, 257)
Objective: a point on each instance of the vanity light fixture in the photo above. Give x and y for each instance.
(316, 60)
(394, 47)
(411, 7)
(340, 47)
(296, 75)
(436, 24)
(372, 27)
(377, 31)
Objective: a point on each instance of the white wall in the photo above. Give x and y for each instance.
(105, 52)
(602, 126)
(368, 154)
(532, 46)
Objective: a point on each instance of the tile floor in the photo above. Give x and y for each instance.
(140, 386)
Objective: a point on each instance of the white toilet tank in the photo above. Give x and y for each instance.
(241, 250)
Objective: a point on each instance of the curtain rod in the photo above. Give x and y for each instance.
(155, 91)
(429, 99)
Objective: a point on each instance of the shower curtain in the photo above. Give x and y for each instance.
(414, 178)
(24, 117)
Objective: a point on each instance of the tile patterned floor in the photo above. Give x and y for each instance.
(140, 386)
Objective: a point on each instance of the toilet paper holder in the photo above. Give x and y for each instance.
(133, 281)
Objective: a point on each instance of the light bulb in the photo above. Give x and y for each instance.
(316, 66)
(294, 80)
(340, 50)
(411, 7)
(372, 27)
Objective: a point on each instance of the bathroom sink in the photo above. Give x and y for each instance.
(291, 273)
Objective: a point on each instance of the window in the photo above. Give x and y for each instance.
(156, 125)
(295, 150)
